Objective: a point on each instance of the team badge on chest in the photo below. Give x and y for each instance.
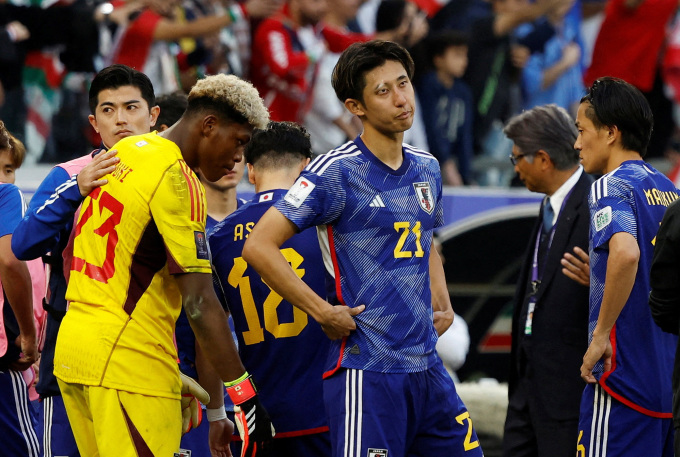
(424, 196)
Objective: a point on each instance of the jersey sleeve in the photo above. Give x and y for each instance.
(11, 208)
(50, 213)
(314, 199)
(611, 210)
(439, 207)
(178, 208)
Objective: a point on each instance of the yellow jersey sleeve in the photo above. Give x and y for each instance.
(178, 208)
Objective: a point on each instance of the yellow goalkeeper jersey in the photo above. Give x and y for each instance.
(131, 236)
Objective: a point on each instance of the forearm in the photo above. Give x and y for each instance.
(209, 323)
(209, 380)
(507, 22)
(622, 268)
(16, 282)
(52, 209)
(264, 256)
(553, 73)
(441, 301)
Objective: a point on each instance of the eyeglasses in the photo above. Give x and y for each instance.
(514, 159)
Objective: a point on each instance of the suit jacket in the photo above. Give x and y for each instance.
(560, 322)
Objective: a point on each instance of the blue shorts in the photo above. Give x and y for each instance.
(374, 414)
(619, 429)
(17, 423)
(57, 436)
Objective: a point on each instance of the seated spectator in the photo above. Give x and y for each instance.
(447, 108)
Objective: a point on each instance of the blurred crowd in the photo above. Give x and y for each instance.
(478, 62)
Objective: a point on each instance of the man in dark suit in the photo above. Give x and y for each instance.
(549, 328)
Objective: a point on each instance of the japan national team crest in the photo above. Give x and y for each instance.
(377, 452)
(424, 195)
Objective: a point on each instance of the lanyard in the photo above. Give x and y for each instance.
(535, 273)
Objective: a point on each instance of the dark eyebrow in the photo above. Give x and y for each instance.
(129, 102)
(399, 79)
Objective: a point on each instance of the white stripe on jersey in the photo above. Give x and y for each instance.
(316, 163)
(21, 402)
(343, 156)
(68, 184)
(417, 152)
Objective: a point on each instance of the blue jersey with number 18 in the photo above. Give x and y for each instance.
(375, 225)
(282, 347)
(632, 199)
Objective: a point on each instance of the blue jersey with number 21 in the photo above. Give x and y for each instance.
(375, 225)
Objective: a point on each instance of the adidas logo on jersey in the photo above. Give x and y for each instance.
(377, 202)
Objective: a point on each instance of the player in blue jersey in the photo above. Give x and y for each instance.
(122, 103)
(18, 347)
(626, 406)
(375, 202)
(281, 346)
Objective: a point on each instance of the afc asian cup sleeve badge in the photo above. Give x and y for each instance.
(299, 192)
(424, 196)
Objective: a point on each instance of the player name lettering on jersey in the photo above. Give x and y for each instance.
(121, 171)
(657, 197)
(241, 231)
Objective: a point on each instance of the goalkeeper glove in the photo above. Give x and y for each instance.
(254, 426)
(192, 394)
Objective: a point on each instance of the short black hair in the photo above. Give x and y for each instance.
(349, 74)
(280, 145)
(117, 75)
(172, 107)
(614, 102)
(438, 43)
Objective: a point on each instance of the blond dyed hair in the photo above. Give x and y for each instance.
(230, 95)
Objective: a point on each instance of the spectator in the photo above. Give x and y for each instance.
(143, 43)
(328, 122)
(554, 74)
(493, 75)
(286, 53)
(447, 107)
(629, 46)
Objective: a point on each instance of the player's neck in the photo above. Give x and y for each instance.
(386, 147)
(179, 133)
(220, 203)
(618, 156)
(282, 179)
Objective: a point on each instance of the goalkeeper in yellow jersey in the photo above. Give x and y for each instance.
(139, 253)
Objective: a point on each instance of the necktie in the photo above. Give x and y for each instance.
(548, 215)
